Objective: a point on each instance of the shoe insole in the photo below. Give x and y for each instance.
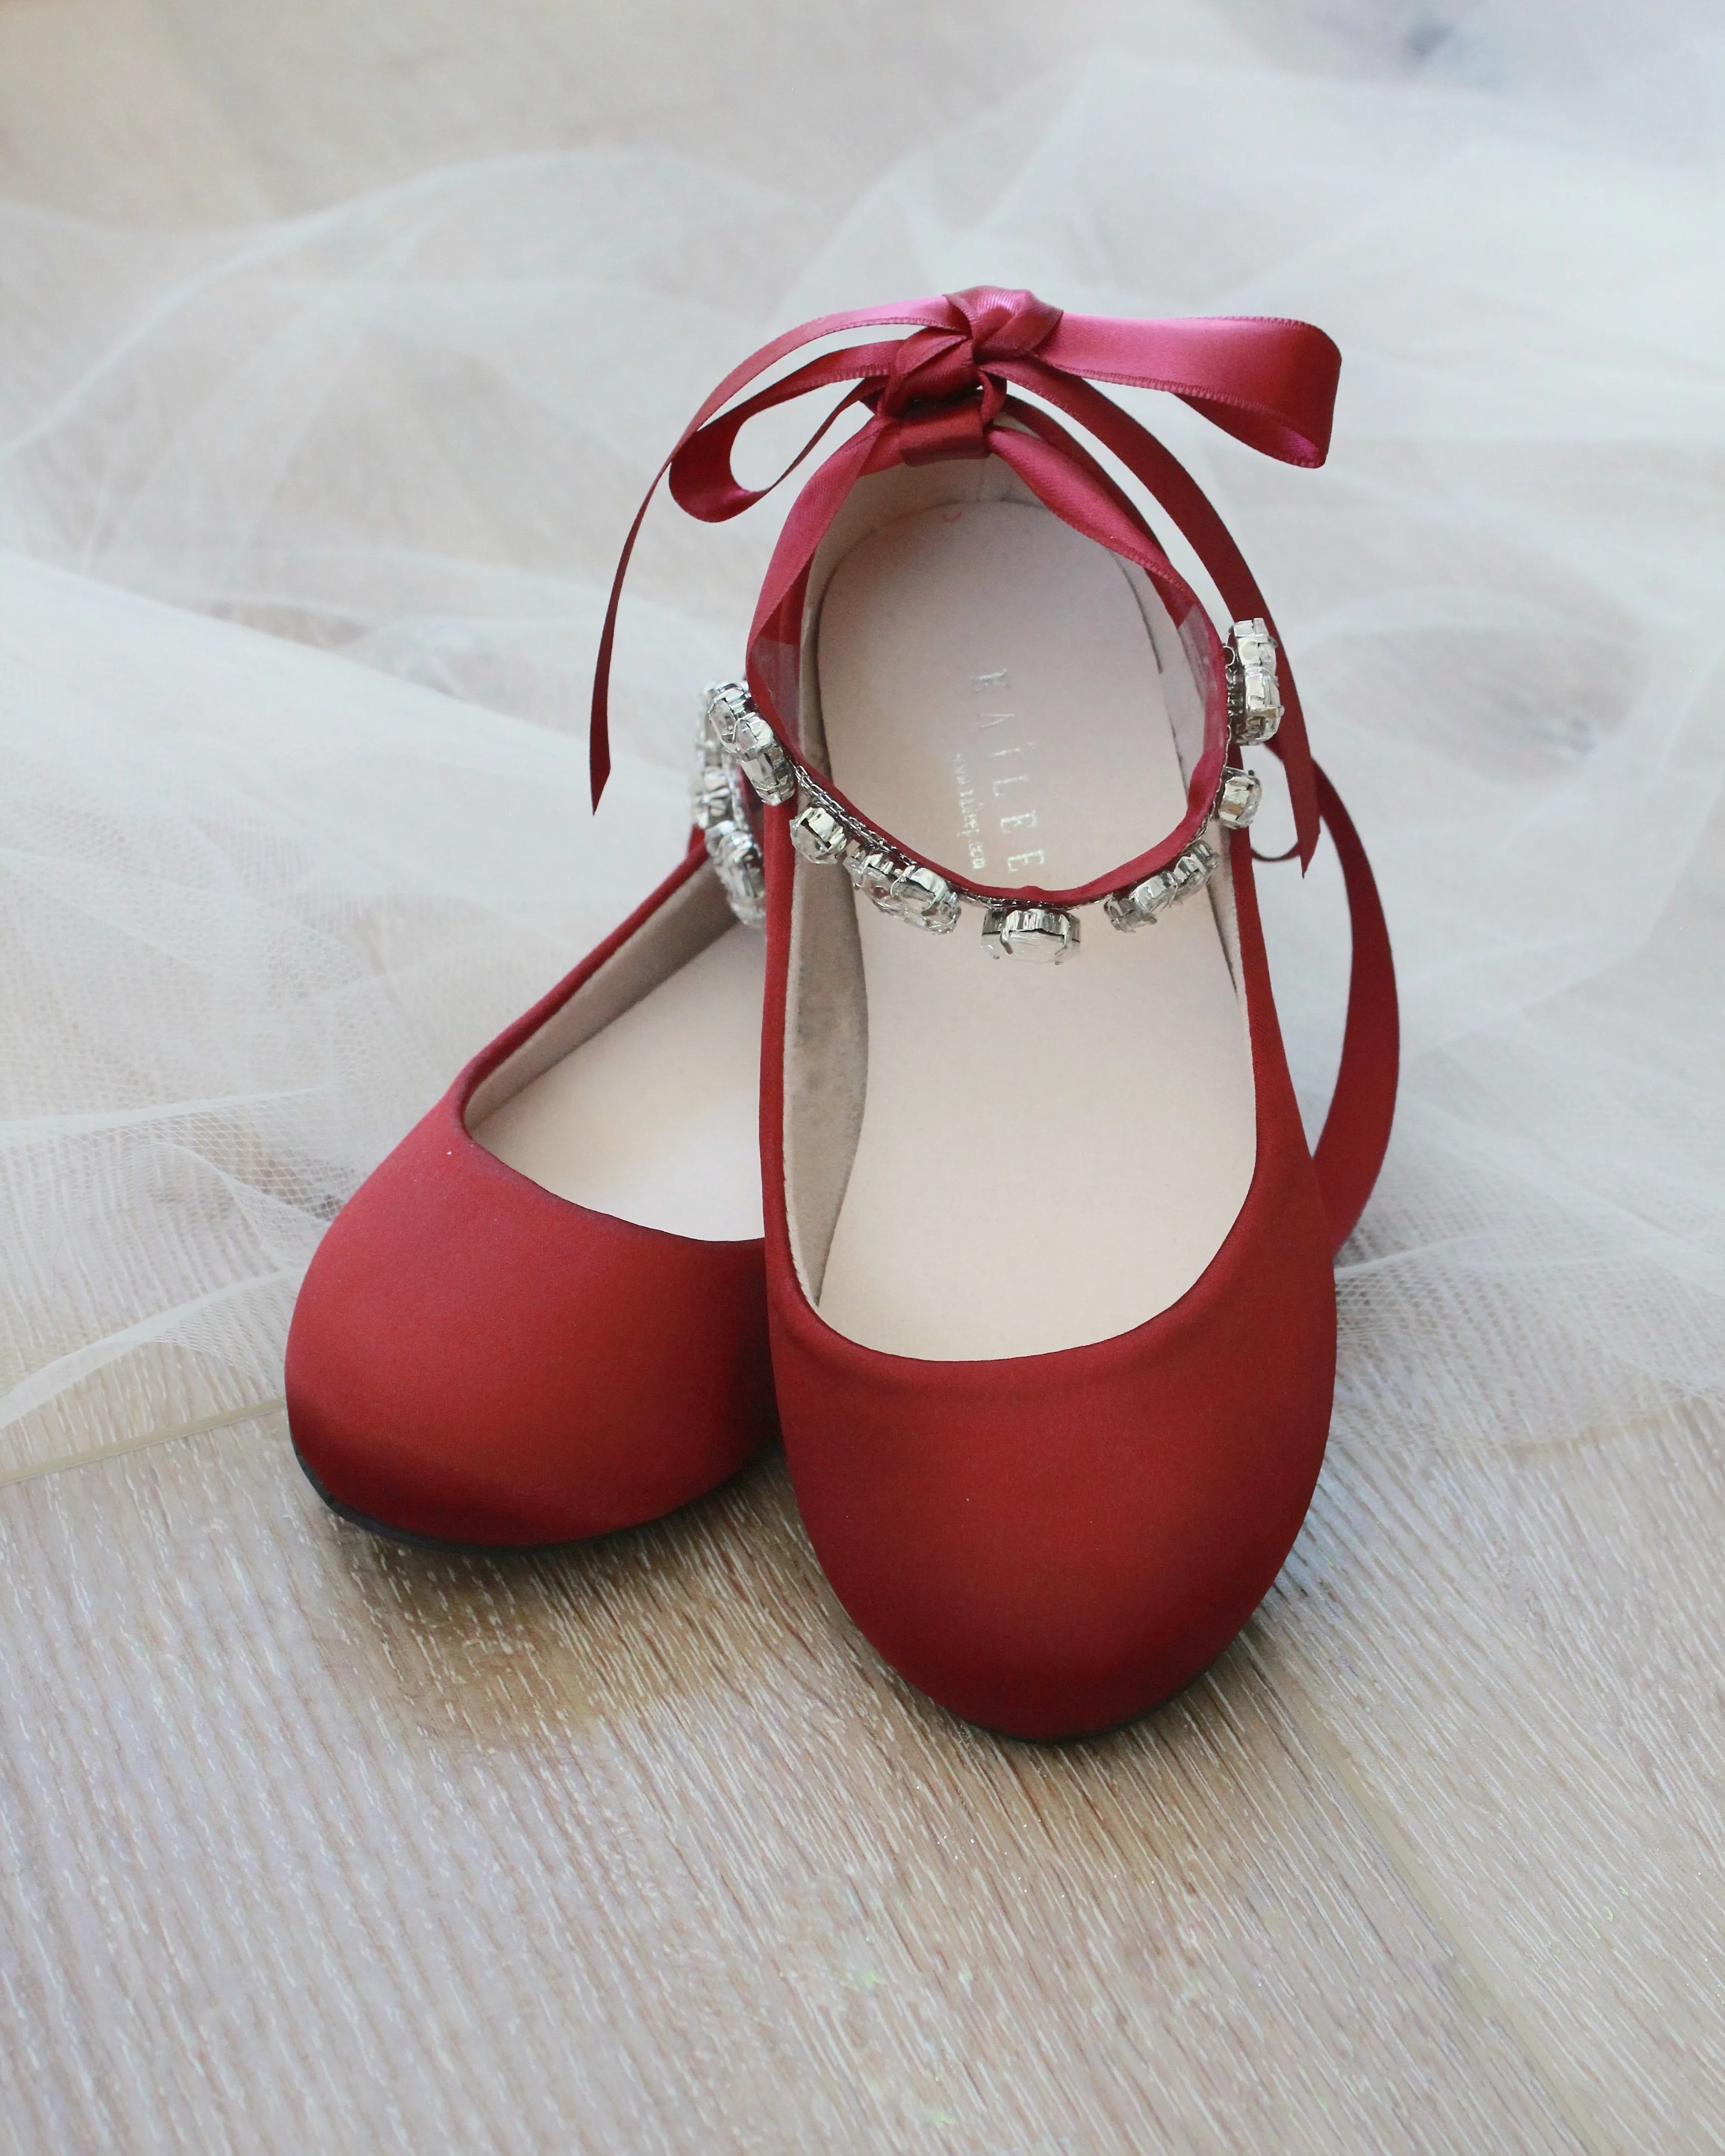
(1048, 1155)
(656, 1118)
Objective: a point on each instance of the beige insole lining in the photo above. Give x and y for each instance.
(654, 1117)
(1048, 1155)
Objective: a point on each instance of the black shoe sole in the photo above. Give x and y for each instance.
(408, 1540)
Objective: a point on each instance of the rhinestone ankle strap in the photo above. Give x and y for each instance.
(734, 742)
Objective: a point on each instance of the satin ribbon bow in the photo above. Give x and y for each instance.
(944, 392)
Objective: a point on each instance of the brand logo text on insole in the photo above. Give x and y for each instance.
(1002, 798)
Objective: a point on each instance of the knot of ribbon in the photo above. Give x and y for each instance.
(939, 388)
(945, 391)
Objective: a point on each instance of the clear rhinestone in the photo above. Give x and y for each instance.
(1044, 933)
(874, 872)
(767, 766)
(1254, 700)
(862, 858)
(1259, 709)
(747, 737)
(817, 833)
(1237, 804)
(925, 899)
(1145, 901)
(712, 799)
(736, 862)
(725, 704)
(904, 889)
(1254, 645)
(1196, 865)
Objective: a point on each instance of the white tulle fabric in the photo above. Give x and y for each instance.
(307, 534)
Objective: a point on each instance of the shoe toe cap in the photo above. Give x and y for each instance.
(474, 1360)
(1050, 1546)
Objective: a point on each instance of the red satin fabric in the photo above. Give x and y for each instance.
(1049, 1544)
(1356, 1133)
(942, 392)
(475, 1361)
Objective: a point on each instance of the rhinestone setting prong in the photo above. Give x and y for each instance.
(818, 835)
(1046, 935)
(1254, 697)
(1237, 799)
(1146, 902)
(718, 802)
(750, 742)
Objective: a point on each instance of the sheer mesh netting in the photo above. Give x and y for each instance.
(308, 531)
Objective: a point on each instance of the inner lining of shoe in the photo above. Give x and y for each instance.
(989, 1158)
(640, 1097)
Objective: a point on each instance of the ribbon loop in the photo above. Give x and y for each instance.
(940, 392)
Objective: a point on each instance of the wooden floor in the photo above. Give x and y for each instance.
(315, 1844)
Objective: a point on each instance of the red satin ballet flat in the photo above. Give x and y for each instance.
(1049, 1263)
(543, 1317)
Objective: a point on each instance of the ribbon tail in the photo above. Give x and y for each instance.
(937, 312)
(1163, 476)
(1355, 1132)
(599, 731)
(1268, 382)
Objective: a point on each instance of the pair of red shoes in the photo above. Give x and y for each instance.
(1045, 1309)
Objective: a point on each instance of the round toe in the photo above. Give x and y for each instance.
(1068, 1564)
(474, 1360)
(1049, 1545)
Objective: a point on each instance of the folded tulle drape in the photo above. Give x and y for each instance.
(308, 529)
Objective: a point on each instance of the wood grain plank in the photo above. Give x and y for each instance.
(314, 1842)
(1506, 1649)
